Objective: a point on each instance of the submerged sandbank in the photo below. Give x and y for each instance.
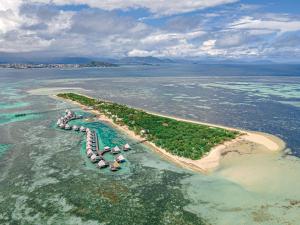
(211, 161)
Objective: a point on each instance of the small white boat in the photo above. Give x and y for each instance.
(106, 148)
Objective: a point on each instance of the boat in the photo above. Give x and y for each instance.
(126, 147)
(106, 148)
(120, 159)
(102, 164)
(115, 150)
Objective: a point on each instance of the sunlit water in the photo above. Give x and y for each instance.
(45, 177)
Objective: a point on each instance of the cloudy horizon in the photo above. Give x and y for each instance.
(227, 29)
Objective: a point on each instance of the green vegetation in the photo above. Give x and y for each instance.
(180, 138)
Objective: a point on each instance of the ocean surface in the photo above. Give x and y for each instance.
(45, 177)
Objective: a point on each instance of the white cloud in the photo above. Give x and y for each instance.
(9, 15)
(140, 53)
(162, 37)
(283, 25)
(159, 7)
(42, 27)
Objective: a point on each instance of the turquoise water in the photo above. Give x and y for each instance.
(6, 118)
(45, 177)
(107, 136)
(13, 105)
(3, 149)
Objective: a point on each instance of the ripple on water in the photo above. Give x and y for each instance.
(3, 149)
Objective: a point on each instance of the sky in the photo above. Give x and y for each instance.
(188, 29)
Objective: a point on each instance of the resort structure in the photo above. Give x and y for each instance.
(92, 144)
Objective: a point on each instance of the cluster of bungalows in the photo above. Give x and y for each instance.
(92, 149)
(97, 156)
(64, 120)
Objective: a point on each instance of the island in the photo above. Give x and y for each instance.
(195, 145)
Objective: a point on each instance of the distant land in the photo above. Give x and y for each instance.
(92, 64)
(43, 61)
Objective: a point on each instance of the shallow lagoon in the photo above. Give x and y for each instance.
(46, 179)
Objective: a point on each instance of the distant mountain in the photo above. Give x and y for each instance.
(149, 60)
(98, 64)
(43, 58)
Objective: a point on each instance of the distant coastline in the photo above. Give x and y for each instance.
(211, 160)
(93, 64)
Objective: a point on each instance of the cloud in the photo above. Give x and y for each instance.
(160, 37)
(158, 7)
(99, 29)
(279, 24)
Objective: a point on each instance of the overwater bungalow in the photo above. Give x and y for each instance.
(120, 159)
(115, 166)
(89, 139)
(95, 158)
(89, 153)
(89, 145)
(102, 163)
(75, 128)
(126, 147)
(82, 129)
(115, 150)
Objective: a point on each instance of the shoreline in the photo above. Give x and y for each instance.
(212, 159)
